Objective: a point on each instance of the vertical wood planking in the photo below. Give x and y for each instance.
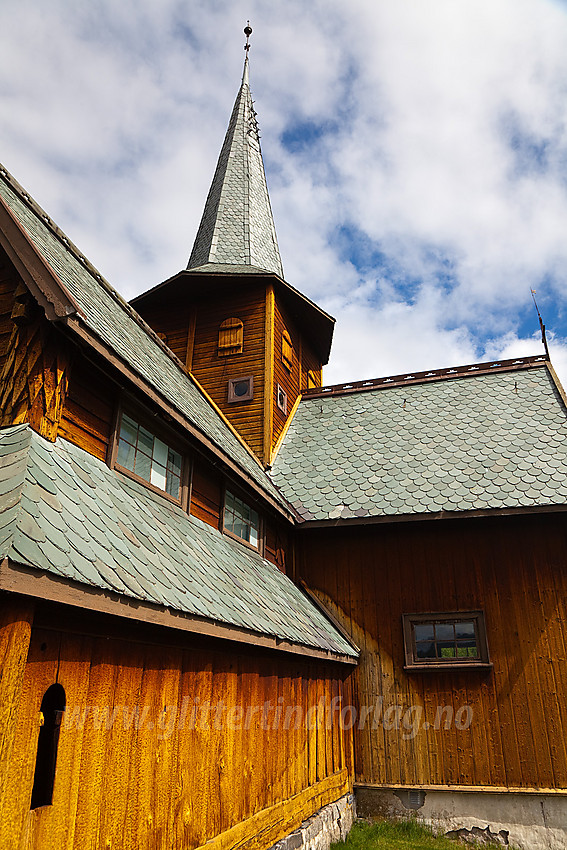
(514, 570)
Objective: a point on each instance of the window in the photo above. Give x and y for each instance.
(311, 380)
(239, 519)
(231, 337)
(456, 639)
(51, 714)
(150, 458)
(287, 351)
(281, 398)
(241, 389)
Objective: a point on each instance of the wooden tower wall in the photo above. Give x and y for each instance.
(213, 371)
(183, 777)
(512, 568)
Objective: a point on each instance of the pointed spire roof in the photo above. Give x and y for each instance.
(237, 227)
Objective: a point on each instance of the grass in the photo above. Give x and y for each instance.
(398, 835)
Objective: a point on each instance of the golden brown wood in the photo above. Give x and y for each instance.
(269, 374)
(35, 373)
(148, 757)
(15, 631)
(513, 568)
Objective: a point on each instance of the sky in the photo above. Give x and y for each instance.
(415, 152)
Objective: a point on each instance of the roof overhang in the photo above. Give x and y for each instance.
(30, 582)
(201, 282)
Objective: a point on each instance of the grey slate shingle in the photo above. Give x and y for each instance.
(112, 320)
(483, 442)
(145, 547)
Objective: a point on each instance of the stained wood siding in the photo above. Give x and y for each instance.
(310, 363)
(277, 545)
(288, 379)
(144, 763)
(15, 632)
(515, 569)
(173, 324)
(214, 371)
(206, 493)
(90, 408)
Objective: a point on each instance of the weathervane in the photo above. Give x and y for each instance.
(247, 33)
(542, 326)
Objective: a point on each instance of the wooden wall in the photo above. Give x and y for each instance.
(214, 371)
(207, 494)
(172, 783)
(288, 379)
(294, 380)
(515, 569)
(90, 408)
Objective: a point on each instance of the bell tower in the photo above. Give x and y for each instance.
(251, 340)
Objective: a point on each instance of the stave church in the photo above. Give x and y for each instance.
(239, 607)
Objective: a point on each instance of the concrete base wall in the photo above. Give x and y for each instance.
(331, 823)
(525, 821)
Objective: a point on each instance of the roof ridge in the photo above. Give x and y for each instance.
(405, 378)
(130, 311)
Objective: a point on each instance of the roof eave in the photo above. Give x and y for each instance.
(313, 316)
(381, 519)
(31, 582)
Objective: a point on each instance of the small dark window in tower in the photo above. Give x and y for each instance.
(231, 337)
(52, 708)
(282, 400)
(287, 351)
(241, 389)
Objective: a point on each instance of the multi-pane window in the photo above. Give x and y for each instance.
(146, 455)
(240, 519)
(445, 639)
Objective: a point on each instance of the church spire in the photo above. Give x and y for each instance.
(237, 227)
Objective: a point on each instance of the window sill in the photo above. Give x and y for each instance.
(436, 668)
(241, 540)
(129, 474)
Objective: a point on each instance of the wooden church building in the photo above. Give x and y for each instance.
(231, 597)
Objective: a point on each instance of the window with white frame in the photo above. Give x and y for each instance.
(241, 520)
(143, 453)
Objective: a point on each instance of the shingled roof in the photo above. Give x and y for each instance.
(102, 310)
(492, 437)
(237, 227)
(66, 513)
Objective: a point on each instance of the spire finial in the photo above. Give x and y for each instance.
(247, 33)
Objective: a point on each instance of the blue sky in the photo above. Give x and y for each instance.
(416, 155)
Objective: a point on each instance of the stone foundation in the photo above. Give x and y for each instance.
(523, 820)
(329, 824)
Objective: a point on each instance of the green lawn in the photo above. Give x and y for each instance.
(397, 835)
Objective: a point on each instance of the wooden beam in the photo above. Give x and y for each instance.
(39, 277)
(466, 789)
(269, 373)
(379, 520)
(28, 581)
(270, 825)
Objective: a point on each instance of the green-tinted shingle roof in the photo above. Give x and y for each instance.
(475, 443)
(237, 227)
(117, 324)
(65, 512)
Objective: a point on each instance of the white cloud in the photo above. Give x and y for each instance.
(430, 197)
